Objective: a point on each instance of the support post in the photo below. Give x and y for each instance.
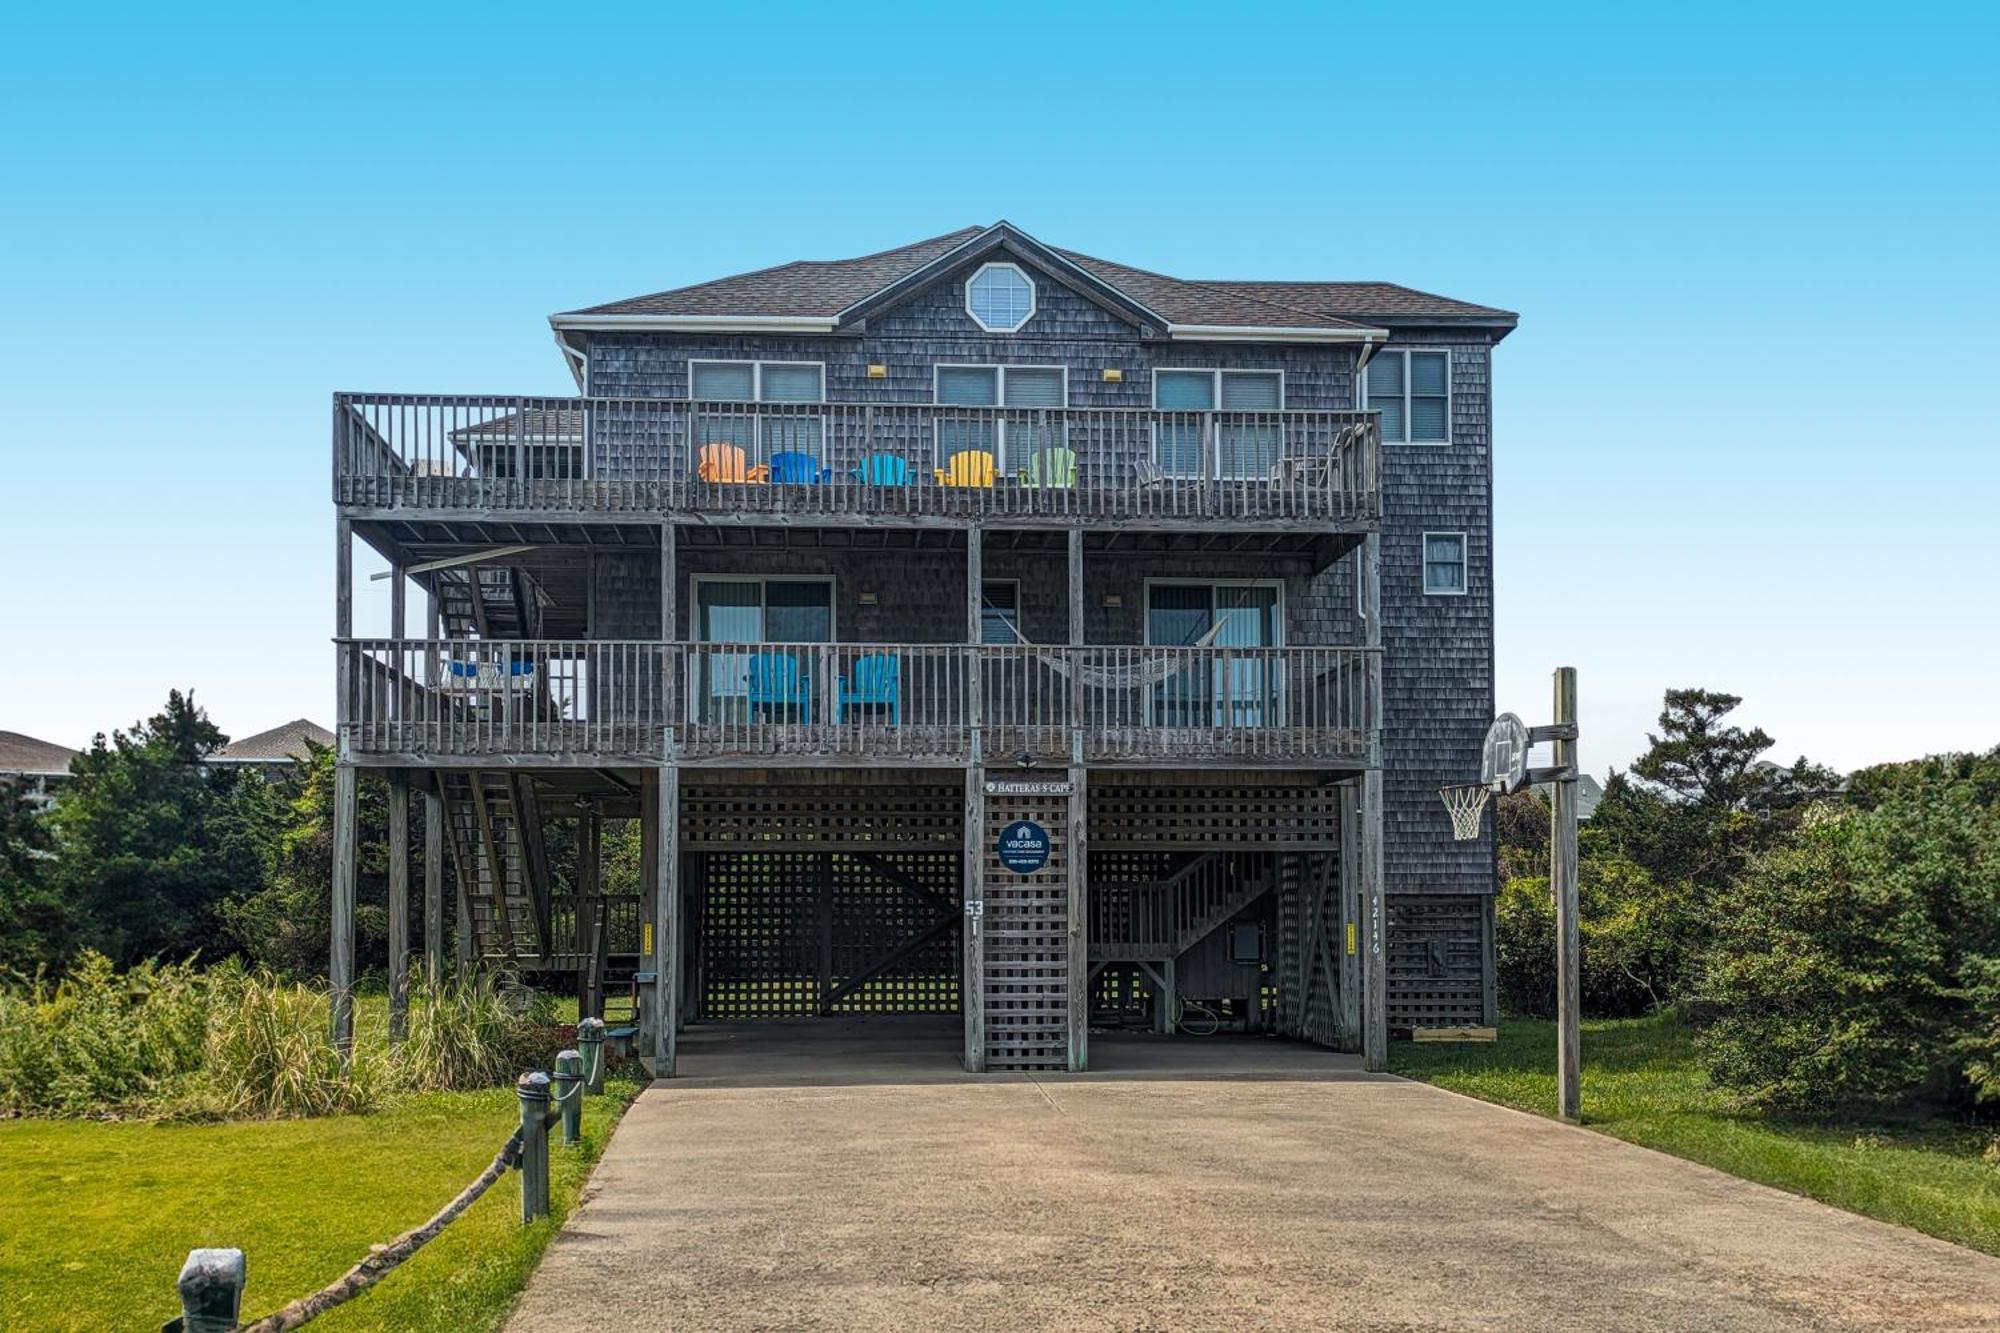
(1079, 934)
(343, 627)
(399, 904)
(667, 913)
(1168, 985)
(340, 948)
(1349, 916)
(1375, 967)
(211, 1291)
(1076, 690)
(433, 888)
(1562, 880)
(972, 999)
(533, 1091)
(569, 1080)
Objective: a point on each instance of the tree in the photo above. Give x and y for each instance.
(1860, 962)
(287, 923)
(151, 841)
(34, 927)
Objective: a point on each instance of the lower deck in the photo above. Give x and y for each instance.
(1033, 914)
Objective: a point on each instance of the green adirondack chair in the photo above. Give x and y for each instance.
(1053, 467)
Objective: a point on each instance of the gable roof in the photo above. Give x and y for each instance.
(822, 296)
(32, 757)
(278, 745)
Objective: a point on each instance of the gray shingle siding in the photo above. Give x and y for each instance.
(1438, 668)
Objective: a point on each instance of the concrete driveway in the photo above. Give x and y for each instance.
(812, 1176)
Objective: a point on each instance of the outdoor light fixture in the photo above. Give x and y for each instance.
(1112, 376)
(1114, 599)
(868, 599)
(877, 372)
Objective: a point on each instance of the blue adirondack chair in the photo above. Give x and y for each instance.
(777, 682)
(883, 470)
(790, 468)
(875, 682)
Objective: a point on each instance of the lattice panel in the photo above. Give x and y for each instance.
(847, 814)
(760, 933)
(1239, 815)
(1026, 937)
(875, 914)
(783, 930)
(1437, 961)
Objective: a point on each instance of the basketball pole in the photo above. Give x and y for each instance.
(1562, 881)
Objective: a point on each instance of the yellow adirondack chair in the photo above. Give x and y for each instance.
(971, 467)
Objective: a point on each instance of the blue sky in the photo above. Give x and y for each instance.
(1745, 432)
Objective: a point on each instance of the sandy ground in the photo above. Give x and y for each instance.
(846, 1176)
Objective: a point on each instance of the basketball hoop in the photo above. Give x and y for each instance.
(1465, 802)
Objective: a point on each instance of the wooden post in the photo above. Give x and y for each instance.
(1348, 947)
(1076, 690)
(533, 1092)
(569, 1079)
(340, 950)
(433, 888)
(972, 995)
(1375, 965)
(211, 1290)
(343, 626)
(1368, 834)
(1079, 919)
(1562, 880)
(399, 904)
(667, 912)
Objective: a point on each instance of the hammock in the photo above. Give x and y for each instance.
(1145, 674)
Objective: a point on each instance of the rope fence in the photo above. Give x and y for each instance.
(211, 1281)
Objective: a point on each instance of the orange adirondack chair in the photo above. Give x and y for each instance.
(727, 462)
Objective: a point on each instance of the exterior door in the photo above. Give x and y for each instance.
(1225, 691)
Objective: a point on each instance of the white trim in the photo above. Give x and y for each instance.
(1034, 297)
(1212, 457)
(699, 323)
(1361, 395)
(1464, 565)
(756, 377)
(1000, 401)
(1261, 333)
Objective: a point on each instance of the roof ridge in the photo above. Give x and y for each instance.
(1206, 285)
(768, 269)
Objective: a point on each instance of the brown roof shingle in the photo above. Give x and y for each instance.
(280, 743)
(813, 288)
(36, 758)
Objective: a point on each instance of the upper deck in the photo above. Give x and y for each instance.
(855, 463)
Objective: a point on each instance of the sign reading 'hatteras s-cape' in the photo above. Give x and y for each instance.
(1023, 847)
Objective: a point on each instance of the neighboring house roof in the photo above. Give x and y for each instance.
(822, 295)
(1589, 791)
(30, 757)
(278, 745)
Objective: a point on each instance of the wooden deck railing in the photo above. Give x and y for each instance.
(918, 703)
(854, 460)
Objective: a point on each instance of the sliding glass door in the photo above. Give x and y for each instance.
(735, 685)
(1221, 689)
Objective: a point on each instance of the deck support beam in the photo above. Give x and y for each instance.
(433, 887)
(1349, 946)
(972, 993)
(1374, 907)
(666, 959)
(399, 903)
(340, 950)
(1076, 863)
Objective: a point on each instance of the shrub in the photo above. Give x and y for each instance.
(100, 1041)
(1633, 937)
(1860, 964)
(268, 1053)
(463, 1033)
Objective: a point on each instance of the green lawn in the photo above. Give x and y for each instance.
(1641, 1082)
(99, 1216)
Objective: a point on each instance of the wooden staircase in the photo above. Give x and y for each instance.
(488, 602)
(1159, 921)
(494, 828)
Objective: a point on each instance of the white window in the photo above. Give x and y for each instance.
(785, 439)
(1412, 391)
(780, 683)
(1228, 402)
(1029, 392)
(1444, 564)
(1000, 612)
(1000, 298)
(1218, 687)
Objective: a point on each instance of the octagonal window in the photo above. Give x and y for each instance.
(1000, 298)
